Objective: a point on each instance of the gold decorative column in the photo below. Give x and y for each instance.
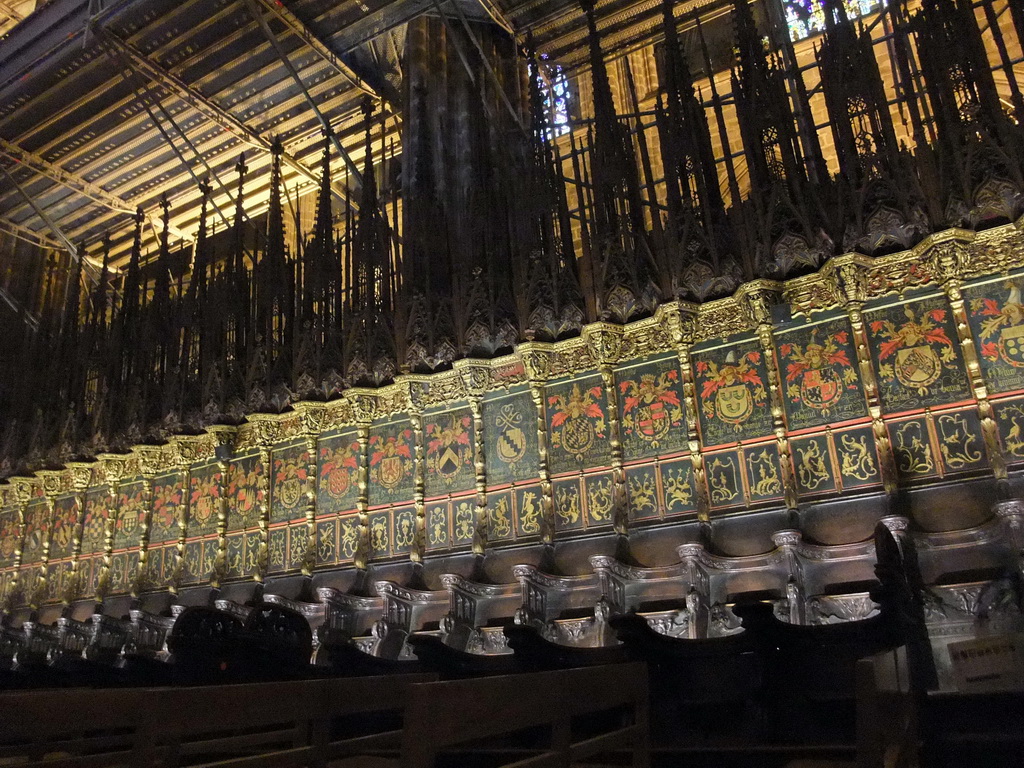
(760, 296)
(265, 433)
(949, 259)
(80, 476)
(850, 276)
(605, 343)
(679, 319)
(151, 459)
(416, 387)
(476, 378)
(312, 418)
(365, 410)
(23, 493)
(224, 437)
(535, 356)
(52, 485)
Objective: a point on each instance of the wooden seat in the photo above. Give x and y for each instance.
(452, 663)
(535, 652)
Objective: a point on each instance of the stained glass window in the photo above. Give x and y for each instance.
(554, 87)
(807, 17)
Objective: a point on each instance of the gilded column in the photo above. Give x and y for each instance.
(476, 378)
(851, 281)
(679, 320)
(416, 388)
(113, 469)
(365, 407)
(265, 432)
(605, 342)
(312, 418)
(760, 296)
(151, 461)
(184, 453)
(23, 493)
(535, 360)
(81, 474)
(224, 439)
(950, 258)
(51, 487)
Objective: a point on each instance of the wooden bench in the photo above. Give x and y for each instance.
(292, 723)
(438, 718)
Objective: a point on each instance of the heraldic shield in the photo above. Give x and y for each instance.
(917, 367)
(291, 489)
(1011, 345)
(578, 435)
(390, 471)
(653, 421)
(734, 404)
(820, 388)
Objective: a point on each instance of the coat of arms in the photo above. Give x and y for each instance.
(337, 468)
(448, 446)
(732, 390)
(511, 442)
(391, 458)
(290, 475)
(166, 500)
(8, 535)
(577, 420)
(1002, 328)
(651, 406)
(243, 489)
(917, 349)
(812, 372)
(131, 514)
(204, 496)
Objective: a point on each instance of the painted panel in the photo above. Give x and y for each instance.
(996, 316)
(338, 472)
(858, 458)
(37, 523)
(380, 535)
(211, 548)
(192, 562)
(290, 482)
(65, 518)
(918, 357)
(235, 545)
(568, 505)
(122, 572)
(961, 445)
(9, 540)
(98, 502)
(438, 535)
(277, 550)
(204, 500)
(812, 465)
(243, 492)
(642, 491)
(818, 364)
(463, 521)
(131, 515)
(577, 414)
(168, 508)
(1010, 418)
(650, 408)
(598, 490)
(732, 386)
(326, 542)
(403, 529)
(154, 577)
(764, 476)
(449, 453)
(391, 463)
(912, 448)
(348, 537)
(529, 511)
(725, 484)
(499, 516)
(510, 437)
(679, 495)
